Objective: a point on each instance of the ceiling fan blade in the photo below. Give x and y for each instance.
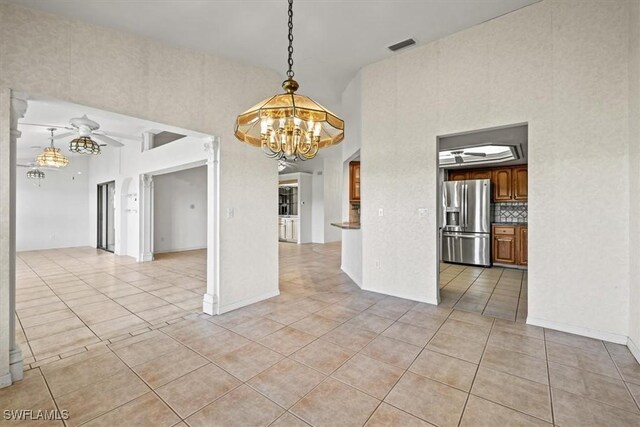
(107, 140)
(21, 165)
(459, 160)
(476, 154)
(117, 135)
(46, 126)
(64, 135)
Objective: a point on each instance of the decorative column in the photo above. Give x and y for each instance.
(12, 108)
(145, 213)
(210, 301)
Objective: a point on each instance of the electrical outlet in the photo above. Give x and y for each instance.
(380, 212)
(423, 212)
(230, 212)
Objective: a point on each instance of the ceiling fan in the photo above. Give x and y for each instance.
(458, 155)
(85, 127)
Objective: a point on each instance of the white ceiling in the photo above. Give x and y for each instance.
(333, 39)
(54, 113)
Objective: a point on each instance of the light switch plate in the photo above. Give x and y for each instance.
(380, 212)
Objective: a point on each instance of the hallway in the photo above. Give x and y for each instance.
(322, 353)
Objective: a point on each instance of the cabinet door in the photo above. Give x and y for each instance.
(458, 175)
(288, 229)
(520, 184)
(523, 258)
(480, 174)
(504, 249)
(501, 179)
(354, 180)
(295, 228)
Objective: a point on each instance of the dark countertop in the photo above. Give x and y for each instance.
(347, 225)
(507, 224)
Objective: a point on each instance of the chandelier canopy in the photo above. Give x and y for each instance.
(287, 125)
(84, 145)
(51, 156)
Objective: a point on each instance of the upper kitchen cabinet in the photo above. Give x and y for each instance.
(354, 181)
(479, 174)
(502, 183)
(458, 175)
(520, 184)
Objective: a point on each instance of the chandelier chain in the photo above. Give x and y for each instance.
(290, 72)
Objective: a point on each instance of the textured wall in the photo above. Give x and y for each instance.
(51, 56)
(559, 65)
(634, 177)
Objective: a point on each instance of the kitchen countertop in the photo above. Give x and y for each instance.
(347, 225)
(518, 224)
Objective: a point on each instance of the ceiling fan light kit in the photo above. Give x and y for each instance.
(51, 156)
(84, 145)
(289, 126)
(35, 174)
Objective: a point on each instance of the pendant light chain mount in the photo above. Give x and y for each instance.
(290, 72)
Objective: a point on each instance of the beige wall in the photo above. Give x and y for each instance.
(562, 67)
(50, 56)
(634, 177)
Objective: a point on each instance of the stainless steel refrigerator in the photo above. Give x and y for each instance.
(466, 228)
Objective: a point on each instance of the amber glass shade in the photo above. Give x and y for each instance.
(52, 157)
(84, 145)
(289, 126)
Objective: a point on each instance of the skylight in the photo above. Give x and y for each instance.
(478, 155)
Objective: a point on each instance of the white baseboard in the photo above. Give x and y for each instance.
(579, 330)
(6, 380)
(404, 296)
(180, 250)
(634, 349)
(248, 301)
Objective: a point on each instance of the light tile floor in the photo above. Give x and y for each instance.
(322, 353)
(496, 292)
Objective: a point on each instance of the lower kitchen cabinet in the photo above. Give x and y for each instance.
(289, 229)
(510, 244)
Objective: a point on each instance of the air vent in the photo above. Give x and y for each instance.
(402, 45)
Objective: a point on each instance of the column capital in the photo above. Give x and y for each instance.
(211, 146)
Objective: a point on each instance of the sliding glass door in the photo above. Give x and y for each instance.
(106, 216)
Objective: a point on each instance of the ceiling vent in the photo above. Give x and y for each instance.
(403, 44)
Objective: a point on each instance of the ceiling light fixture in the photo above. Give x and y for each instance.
(51, 156)
(289, 126)
(35, 174)
(84, 145)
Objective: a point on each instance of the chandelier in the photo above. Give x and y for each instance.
(35, 174)
(51, 156)
(287, 125)
(84, 145)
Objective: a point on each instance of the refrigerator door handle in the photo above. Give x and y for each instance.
(465, 191)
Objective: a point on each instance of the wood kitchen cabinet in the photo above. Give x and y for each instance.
(508, 184)
(523, 254)
(354, 181)
(458, 175)
(502, 185)
(510, 244)
(520, 191)
(504, 245)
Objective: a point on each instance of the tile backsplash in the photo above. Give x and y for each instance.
(509, 212)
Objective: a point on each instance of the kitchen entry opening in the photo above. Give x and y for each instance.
(106, 216)
(482, 199)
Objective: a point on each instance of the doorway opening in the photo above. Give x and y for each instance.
(106, 227)
(482, 192)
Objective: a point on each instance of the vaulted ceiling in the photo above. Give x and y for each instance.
(333, 39)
